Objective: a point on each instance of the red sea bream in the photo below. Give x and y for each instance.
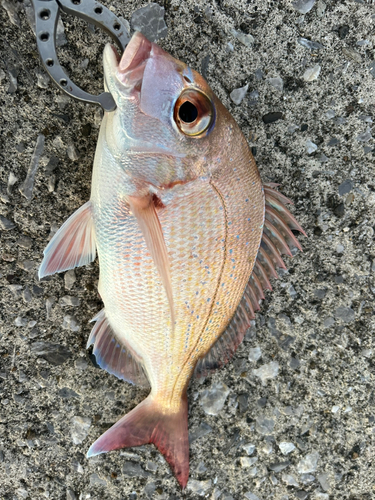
(186, 235)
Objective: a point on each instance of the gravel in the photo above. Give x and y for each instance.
(304, 376)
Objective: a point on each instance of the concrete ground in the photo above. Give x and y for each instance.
(295, 409)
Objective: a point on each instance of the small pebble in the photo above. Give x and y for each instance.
(248, 461)
(333, 141)
(345, 187)
(245, 39)
(72, 152)
(267, 448)
(352, 54)
(132, 469)
(28, 265)
(273, 480)
(340, 249)
(67, 300)
(320, 496)
(255, 353)
(328, 322)
(55, 354)
(286, 447)
(19, 321)
(81, 364)
(202, 430)
(199, 487)
(12, 179)
(289, 480)
(251, 496)
(6, 224)
(70, 495)
(28, 186)
(267, 371)
(22, 493)
(149, 20)
(303, 6)
(96, 480)
(307, 478)
(312, 74)
(237, 95)
(302, 495)
(309, 44)
(79, 429)
(272, 117)
(201, 468)
(292, 128)
(49, 303)
(43, 79)
(70, 323)
(294, 363)
(264, 425)
(212, 400)
(60, 33)
(149, 489)
(249, 448)
(69, 278)
(346, 314)
(323, 479)
(365, 136)
(277, 83)
(311, 147)
(26, 295)
(309, 463)
(330, 113)
(366, 118)
(367, 353)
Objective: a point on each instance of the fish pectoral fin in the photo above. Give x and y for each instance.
(148, 423)
(73, 245)
(143, 208)
(114, 357)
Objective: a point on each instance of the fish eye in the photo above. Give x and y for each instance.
(193, 112)
(188, 113)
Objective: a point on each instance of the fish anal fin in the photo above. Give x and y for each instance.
(226, 345)
(112, 355)
(73, 245)
(143, 208)
(149, 423)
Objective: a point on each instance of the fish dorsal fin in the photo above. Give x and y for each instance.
(113, 356)
(143, 209)
(277, 239)
(73, 245)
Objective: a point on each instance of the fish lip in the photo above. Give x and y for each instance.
(136, 52)
(130, 67)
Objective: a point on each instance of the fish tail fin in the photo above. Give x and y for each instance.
(150, 423)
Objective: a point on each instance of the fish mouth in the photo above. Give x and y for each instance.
(136, 53)
(131, 65)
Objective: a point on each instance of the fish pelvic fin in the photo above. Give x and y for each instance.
(73, 245)
(143, 209)
(150, 423)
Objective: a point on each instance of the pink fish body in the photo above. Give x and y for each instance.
(177, 214)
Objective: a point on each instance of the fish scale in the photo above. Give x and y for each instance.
(176, 217)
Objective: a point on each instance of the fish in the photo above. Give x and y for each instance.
(187, 236)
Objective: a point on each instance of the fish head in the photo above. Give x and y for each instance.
(165, 127)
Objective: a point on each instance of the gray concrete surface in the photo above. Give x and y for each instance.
(316, 327)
